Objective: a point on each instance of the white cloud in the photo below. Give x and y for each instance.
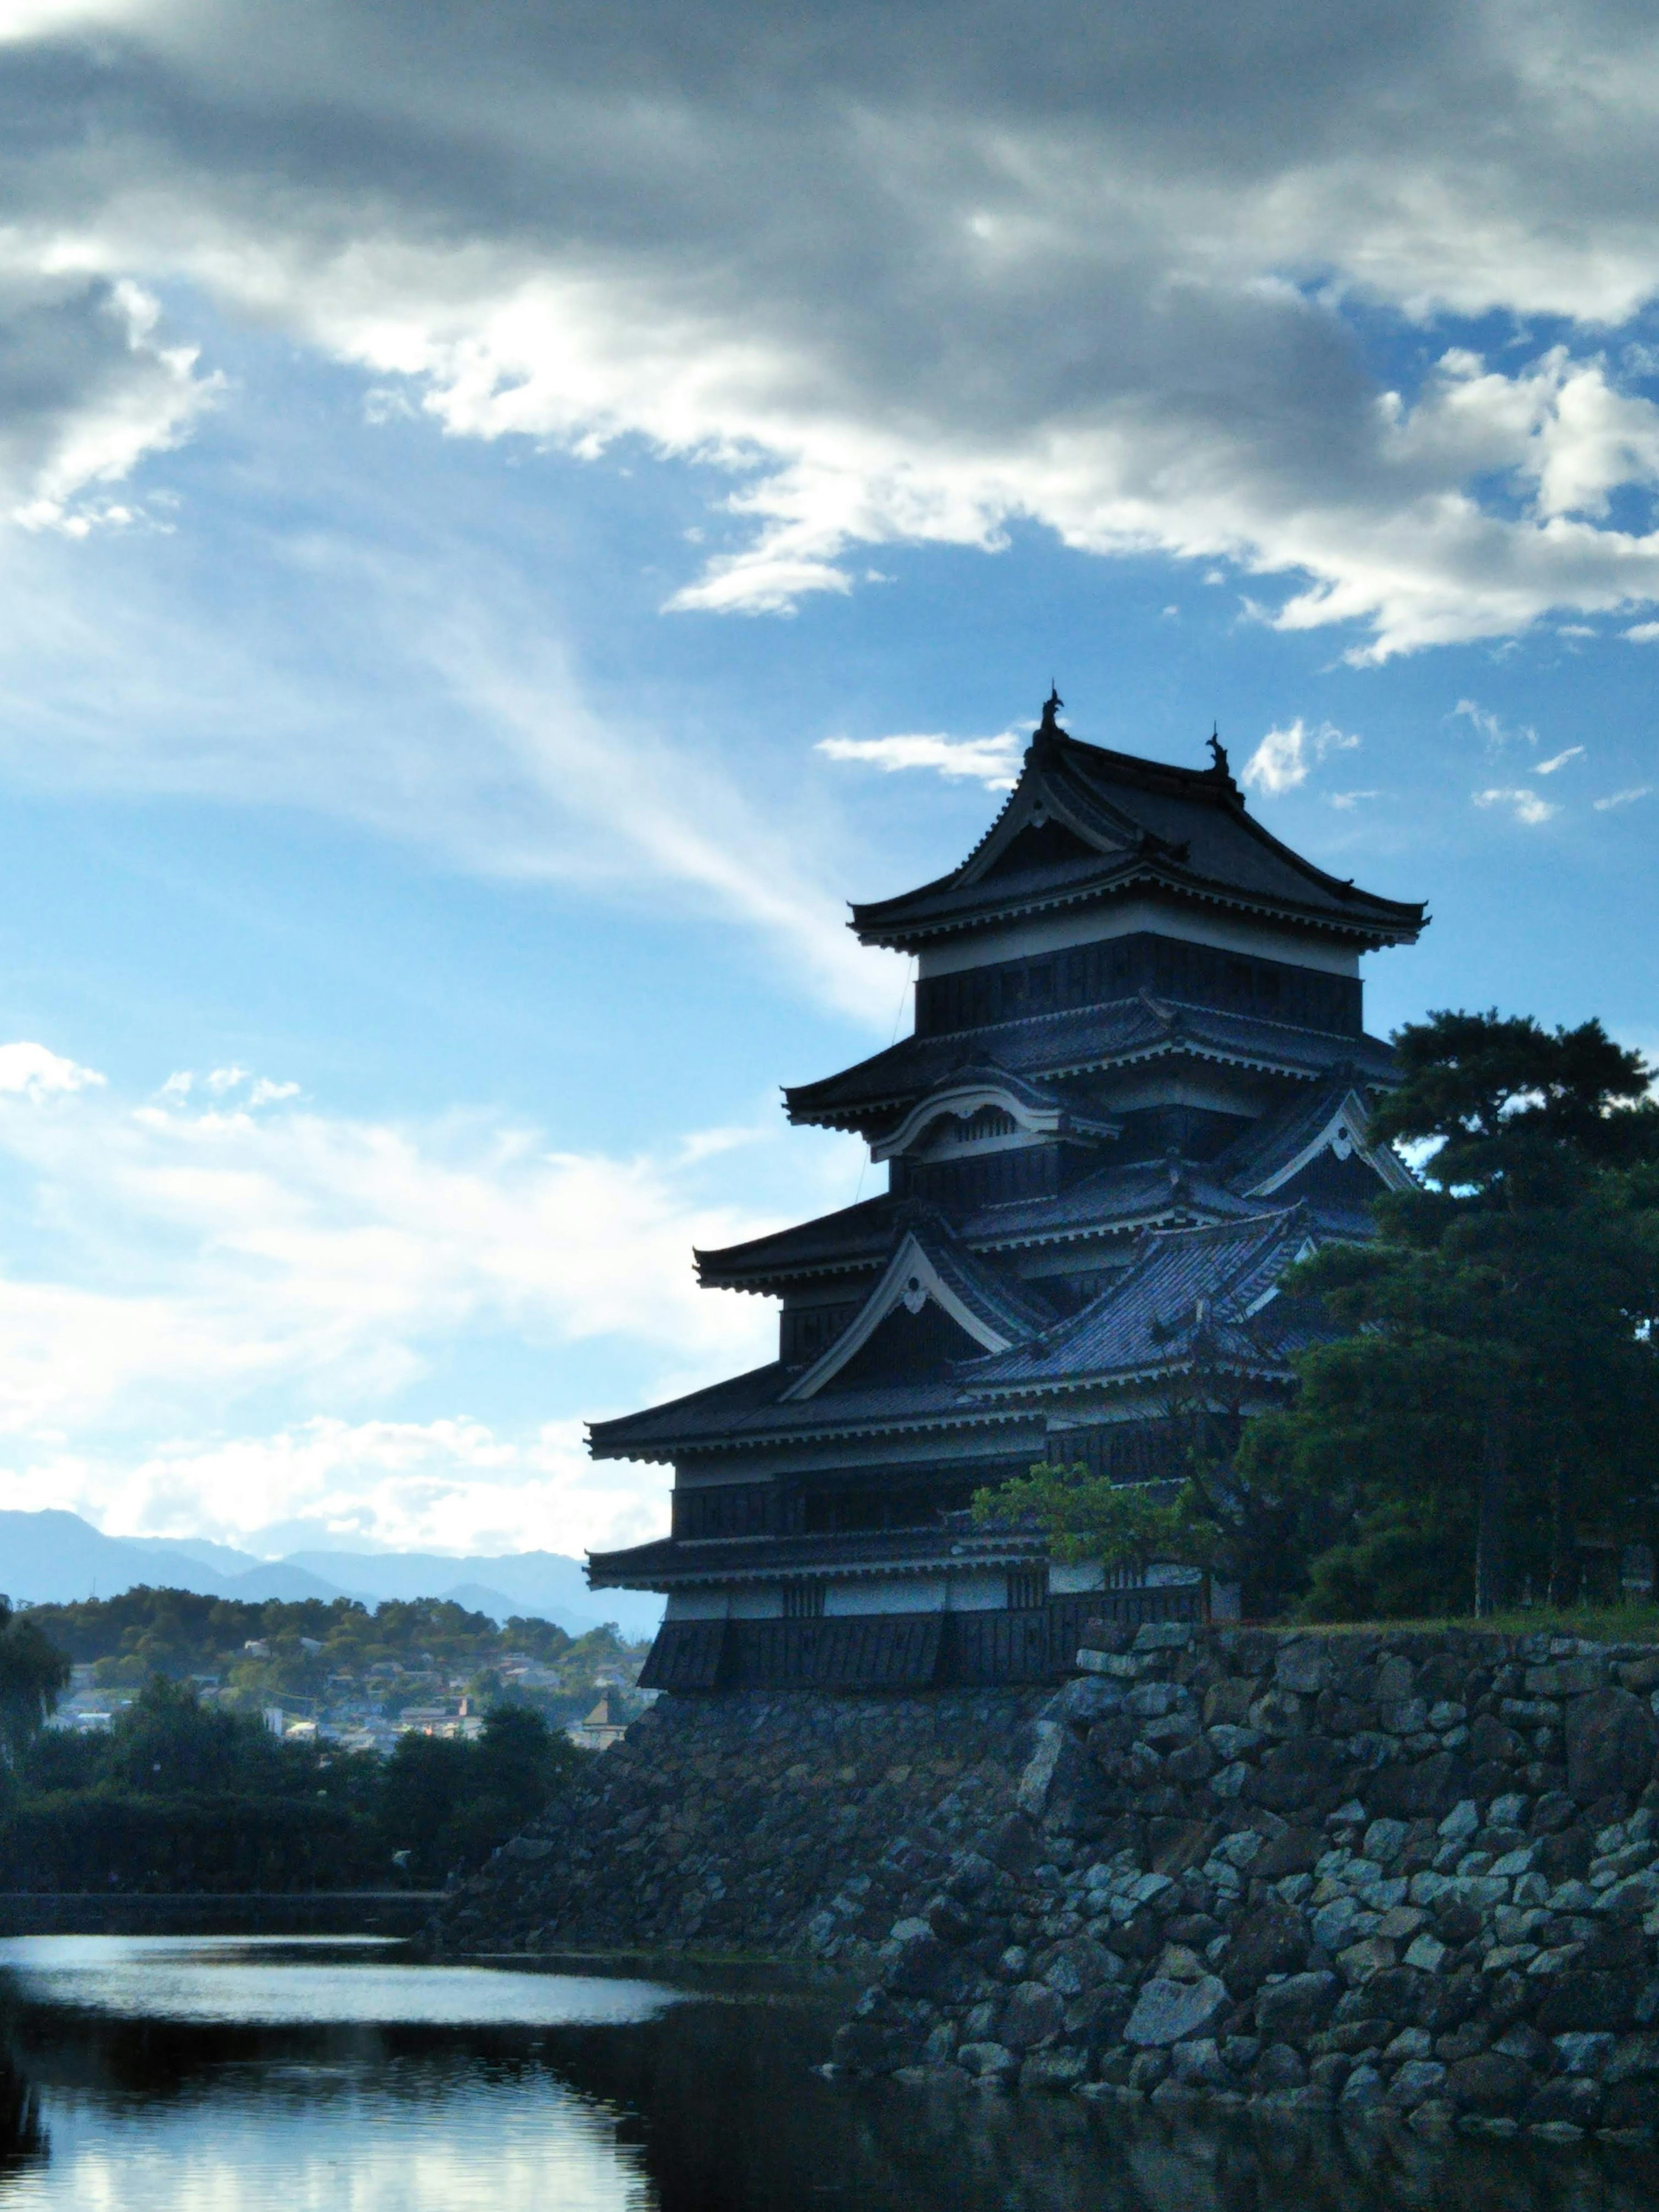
(1643, 633)
(894, 287)
(454, 1485)
(1491, 726)
(87, 391)
(1526, 806)
(1349, 799)
(195, 1264)
(37, 1073)
(1286, 757)
(1558, 761)
(1623, 797)
(993, 761)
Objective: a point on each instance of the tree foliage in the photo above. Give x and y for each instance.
(32, 1673)
(182, 1794)
(1483, 1403)
(1493, 1403)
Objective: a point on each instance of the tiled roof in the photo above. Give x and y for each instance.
(1150, 822)
(1186, 1296)
(1274, 1142)
(747, 1411)
(893, 1551)
(1079, 1041)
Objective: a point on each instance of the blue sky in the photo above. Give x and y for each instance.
(508, 519)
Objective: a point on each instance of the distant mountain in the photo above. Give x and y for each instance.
(545, 1585)
(55, 1558)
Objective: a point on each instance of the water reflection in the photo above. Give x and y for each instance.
(147, 2075)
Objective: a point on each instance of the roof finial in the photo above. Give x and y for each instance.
(1051, 707)
(1218, 751)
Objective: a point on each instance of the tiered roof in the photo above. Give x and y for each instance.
(1045, 1048)
(1084, 824)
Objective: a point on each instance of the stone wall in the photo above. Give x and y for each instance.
(1395, 1875)
(763, 1823)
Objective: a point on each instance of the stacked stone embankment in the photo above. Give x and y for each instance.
(766, 1824)
(1401, 1877)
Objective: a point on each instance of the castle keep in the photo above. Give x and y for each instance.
(1137, 1091)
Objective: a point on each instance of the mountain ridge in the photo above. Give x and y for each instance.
(52, 1556)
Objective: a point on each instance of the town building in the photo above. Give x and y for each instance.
(598, 1730)
(1138, 1090)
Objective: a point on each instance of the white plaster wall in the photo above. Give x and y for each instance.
(887, 1594)
(985, 1591)
(1065, 1581)
(697, 1605)
(757, 1602)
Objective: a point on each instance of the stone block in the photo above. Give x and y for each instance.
(1033, 2014)
(992, 2060)
(1169, 2011)
(1363, 2092)
(1462, 1821)
(1228, 1703)
(1163, 1636)
(1635, 2058)
(1091, 1697)
(1566, 1678)
(1572, 2099)
(1491, 2081)
(1301, 1774)
(1611, 1740)
(1303, 1666)
(1271, 1939)
(1585, 2052)
(1074, 1967)
(1199, 2064)
(1292, 2010)
(1385, 1840)
(1359, 1962)
(1055, 2072)
(1417, 2079)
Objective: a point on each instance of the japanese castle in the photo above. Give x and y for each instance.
(1137, 1091)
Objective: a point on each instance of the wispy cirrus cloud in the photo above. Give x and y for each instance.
(1491, 726)
(1618, 798)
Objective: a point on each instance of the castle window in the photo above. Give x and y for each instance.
(1028, 1587)
(803, 1599)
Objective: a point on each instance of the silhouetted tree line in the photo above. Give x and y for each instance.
(180, 1795)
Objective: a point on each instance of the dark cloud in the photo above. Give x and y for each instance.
(931, 268)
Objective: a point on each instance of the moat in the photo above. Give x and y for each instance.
(243, 2074)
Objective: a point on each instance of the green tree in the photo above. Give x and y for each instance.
(1494, 1392)
(32, 1673)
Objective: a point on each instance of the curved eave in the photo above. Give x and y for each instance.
(1129, 1378)
(989, 1552)
(1389, 922)
(663, 1452)
(1173, 1045)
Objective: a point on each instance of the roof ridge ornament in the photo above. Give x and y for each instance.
(1049, 727)
(1219, 767)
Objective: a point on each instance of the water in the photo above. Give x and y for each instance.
(225, 2075)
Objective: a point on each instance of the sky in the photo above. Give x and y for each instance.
(512, 515)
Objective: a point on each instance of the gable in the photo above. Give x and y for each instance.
(912, 1285)
(1047, 844)
(903, 1348)
(1329, 1180)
